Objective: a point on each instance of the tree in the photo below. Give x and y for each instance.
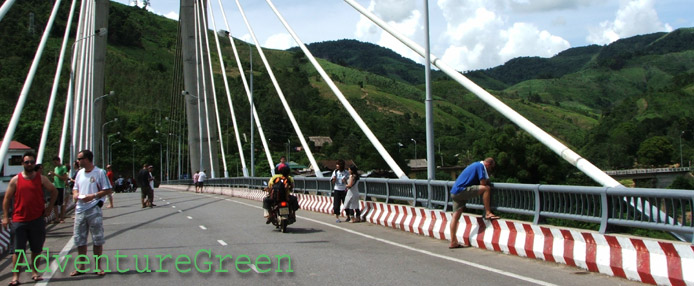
(656, 150)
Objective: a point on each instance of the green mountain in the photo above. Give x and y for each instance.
(604, 101)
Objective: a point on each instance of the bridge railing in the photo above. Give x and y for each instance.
(657, 209)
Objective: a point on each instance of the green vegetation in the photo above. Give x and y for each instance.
(606, 102)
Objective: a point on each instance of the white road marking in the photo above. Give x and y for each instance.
(180, 211)
(173, 206)
(461, 261)
(203, 227)
(254, 269)
(54, 265)
(189, 217)
(222, 242)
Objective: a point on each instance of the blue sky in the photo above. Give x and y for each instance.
(466, 34)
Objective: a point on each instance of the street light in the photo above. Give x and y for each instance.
(110, 155)
(108, 140)
(160, 158)
(105, 95)
(415, 147)
(681, 161)
(102, 139)
(133, 157)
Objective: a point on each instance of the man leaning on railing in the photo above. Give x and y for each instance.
(473, 181)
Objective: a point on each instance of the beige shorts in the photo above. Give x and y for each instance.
(460, 198)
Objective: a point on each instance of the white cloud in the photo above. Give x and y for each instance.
(478, 35)
(546, 5)
(172, 15)
(280, 41)
(402, 16)
(633, 18)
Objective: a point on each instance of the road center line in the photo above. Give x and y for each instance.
(189, 217)
(222, 242)
(461, 261)
(203, 227)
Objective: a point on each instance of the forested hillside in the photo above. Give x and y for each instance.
(606, 102)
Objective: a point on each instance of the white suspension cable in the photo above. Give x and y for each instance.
(228, 93)
(299, 134)
(73, 83)
(12, 126)
(214, 92)
(542, 136)
(352, 112)
(203, 91)
(54, 90)
(5, 7)
(254, 111)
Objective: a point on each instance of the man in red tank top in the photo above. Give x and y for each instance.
(28, 218)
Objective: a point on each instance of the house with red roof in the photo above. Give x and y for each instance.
(13, 161)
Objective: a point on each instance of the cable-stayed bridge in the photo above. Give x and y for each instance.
(84, 121)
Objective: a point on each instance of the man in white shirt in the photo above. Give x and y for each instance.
(91, 186)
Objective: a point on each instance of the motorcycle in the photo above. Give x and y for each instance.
(282, 210)
(282, 215)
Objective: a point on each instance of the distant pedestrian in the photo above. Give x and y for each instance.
(283, 160)
(339, 178)
(143, 182)
(195, 180)
(472, 182)
(352, 198)
(110, 176)
(91, 186)
(202, 176)
(28, 224)
(60, 177)
(151, 186)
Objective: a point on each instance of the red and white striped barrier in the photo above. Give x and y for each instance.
(639, 259)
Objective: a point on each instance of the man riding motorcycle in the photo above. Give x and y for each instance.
(269, 203)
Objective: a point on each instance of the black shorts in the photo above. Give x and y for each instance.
(33, 232)
(201, 184)
(59, 199)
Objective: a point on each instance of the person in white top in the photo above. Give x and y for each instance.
(201, 179)
(339, 178)
(91, 186)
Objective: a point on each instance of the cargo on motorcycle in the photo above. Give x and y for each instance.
(279, 206)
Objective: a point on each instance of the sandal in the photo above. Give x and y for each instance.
(36, 278)
(456, 246)
(76, 273)
(14, 283)
(491, 217)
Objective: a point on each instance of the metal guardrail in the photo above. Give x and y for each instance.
(648, 171)
(666, 209)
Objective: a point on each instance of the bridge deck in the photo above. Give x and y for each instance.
(321, 251)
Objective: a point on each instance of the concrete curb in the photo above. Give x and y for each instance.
(640, 259)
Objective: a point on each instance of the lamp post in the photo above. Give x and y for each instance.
(108, 140)
(110, 155)
(415, 147)
(681, 161)
(133, 157)
(102, 139)
(160, 158)
(250, 54)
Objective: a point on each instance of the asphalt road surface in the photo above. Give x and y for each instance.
(182, 240)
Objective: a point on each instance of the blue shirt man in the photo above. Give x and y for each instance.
(472, 182)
